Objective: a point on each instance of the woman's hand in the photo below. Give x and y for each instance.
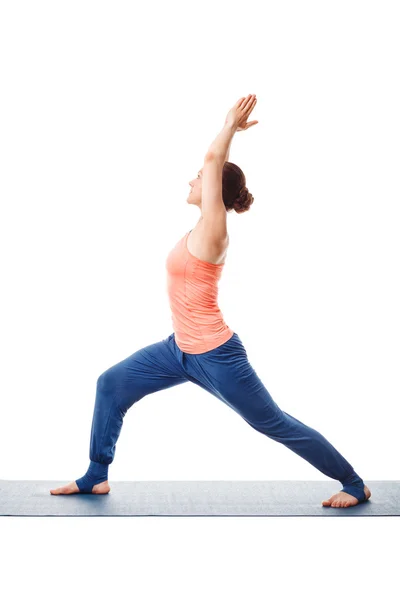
(238, 115)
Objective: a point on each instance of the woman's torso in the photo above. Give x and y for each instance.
(193, 273)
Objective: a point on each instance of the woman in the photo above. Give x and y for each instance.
(203, 349)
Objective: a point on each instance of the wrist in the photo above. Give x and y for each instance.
(232, 127)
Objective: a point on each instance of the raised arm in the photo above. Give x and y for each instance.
(212, 205)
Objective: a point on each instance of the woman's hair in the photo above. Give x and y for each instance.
(235, 194)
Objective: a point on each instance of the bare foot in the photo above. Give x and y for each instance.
(72, 488)
(343, 499)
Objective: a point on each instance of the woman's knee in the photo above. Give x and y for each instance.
(113, 385)
(269, 420)
(107, 382)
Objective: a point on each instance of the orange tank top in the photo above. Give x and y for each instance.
(192, 286)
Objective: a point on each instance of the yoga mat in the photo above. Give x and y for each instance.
(195, 498)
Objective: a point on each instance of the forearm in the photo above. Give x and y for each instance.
(221, 145)
(227, 152)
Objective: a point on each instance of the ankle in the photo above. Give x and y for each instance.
(96, 473)
(353, 479)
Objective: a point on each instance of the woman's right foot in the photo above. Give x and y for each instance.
(72, 488)
(343, 499)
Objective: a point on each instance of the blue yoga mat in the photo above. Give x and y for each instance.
(195, 498)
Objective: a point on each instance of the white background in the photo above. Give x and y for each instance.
(107, 111)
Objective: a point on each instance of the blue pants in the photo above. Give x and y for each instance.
(226, 373)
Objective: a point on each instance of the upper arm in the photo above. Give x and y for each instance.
(212, 206)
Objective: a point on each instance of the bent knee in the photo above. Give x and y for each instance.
(107, 381)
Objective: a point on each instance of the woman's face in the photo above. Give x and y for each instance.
(194, 196)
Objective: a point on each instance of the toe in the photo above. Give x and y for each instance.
(330, 500)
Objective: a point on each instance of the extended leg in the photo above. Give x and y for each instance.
(229, 372)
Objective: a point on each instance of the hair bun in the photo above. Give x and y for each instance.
(244, 200)
(243, 193)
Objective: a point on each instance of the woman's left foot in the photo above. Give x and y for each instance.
(343, 499)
